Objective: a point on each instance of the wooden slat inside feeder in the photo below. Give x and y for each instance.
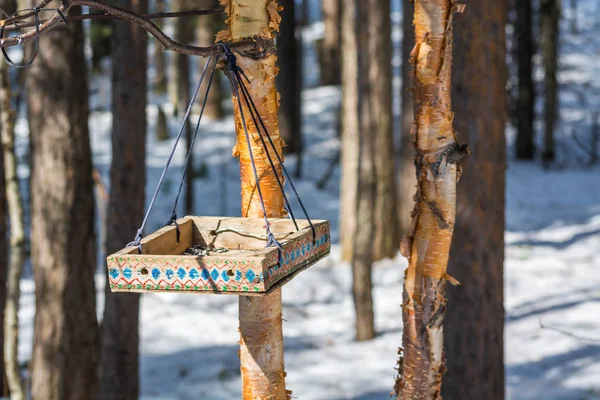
(245, 268)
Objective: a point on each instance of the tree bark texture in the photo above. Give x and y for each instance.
(63, 365)
(475, 313)
(367, 110)
(261, 334)
(3, 264)
(330, 46)
(10, 299)
(549, 32)
(289, 81)
(427, 245)
(120, 334)
(525, 110)
(208, 26)
(408, 180)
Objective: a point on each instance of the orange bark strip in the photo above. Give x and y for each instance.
(428, 243)
(261, 335)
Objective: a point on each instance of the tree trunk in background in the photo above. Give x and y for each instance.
(330, 46)
(549, 32)
(10, 299)
(3, 265)
(160, 62)
(289, 81)
(100, 34)
(261, 334)
(475, 313)
(427, 246)
(408, 179)
(525, 108)
(367, 79)
(120, 334)
(63, 364)
(179, 92)
(208, 26)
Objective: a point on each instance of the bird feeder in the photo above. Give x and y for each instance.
(228, 256)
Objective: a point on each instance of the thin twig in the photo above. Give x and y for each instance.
(257, 44)
(567, 333)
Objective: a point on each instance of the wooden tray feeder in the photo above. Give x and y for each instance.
(236, 260)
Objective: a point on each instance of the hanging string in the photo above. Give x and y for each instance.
(254, 111)
(139, 235)
(173, 219)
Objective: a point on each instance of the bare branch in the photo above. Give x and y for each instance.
(260, 45)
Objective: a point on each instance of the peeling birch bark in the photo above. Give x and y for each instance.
(261, 334)
(427, 245)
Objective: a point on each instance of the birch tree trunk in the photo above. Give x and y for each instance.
(17, 239)
(3, 265)
(119, 358)
(261, 334)
(549, 30)
(474, 326)
(63, 364)
(525, 110)
(427, 246)
(408, 180)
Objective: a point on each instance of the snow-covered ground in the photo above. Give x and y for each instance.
(189, 342)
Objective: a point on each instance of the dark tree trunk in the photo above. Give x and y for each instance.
(63, 365)
(289, 80)
(120, 339)
(525, 114)
(549, 30)
(208, 26)
(408, 178)
(475, 315)
(330, 46)
(160, 62)
(3, 267)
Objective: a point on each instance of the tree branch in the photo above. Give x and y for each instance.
(257, 44)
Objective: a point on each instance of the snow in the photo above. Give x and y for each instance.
(189, 344)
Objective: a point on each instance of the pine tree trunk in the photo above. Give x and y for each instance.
(63, 365)
(331, 45)
(475, 313)
(10, 300)
(408, 180)
(525, 113)
(3, 264)
(428, 244)
(160, 62)
(289, 81)
(261, 334)
(367, 79)
(549, 30)
(208, 26)
(120, 334)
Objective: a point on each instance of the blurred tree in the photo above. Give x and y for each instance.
(474, 325)
(427, 245)
(179, 91)
(3, 265)
(160, 81)
(549, 30)
(525, 107)
(289, 82)
(65, 349)
(208, 26)
(368, 203)
(10, 299)
(100, 36)
(119, 365)
(330, 46)
(408, 179)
